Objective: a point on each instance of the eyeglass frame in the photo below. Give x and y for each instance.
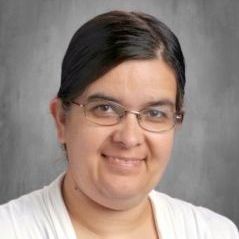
(178, 116)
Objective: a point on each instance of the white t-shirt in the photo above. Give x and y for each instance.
(42, 215)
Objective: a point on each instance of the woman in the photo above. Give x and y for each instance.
(116, 113)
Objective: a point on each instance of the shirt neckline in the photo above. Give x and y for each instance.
(62, 219)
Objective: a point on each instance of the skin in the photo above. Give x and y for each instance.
(96, 185)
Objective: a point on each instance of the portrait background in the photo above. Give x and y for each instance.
(34, 36)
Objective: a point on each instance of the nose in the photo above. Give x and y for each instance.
(128, 133)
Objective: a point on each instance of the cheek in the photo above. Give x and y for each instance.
(161, 147)
(161, 150)
(83, 142)
(82, 150)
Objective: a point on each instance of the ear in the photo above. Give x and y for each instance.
(59, 117)
(180, 120)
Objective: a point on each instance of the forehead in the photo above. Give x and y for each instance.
(136, 82)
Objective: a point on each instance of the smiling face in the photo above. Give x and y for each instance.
(118, 165)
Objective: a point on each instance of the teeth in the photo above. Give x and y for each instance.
(123, 159)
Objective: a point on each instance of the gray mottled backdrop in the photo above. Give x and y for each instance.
(33, 38)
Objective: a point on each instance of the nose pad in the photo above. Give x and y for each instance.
(128, 132)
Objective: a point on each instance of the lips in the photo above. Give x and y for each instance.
(124, 163)
(125, 159)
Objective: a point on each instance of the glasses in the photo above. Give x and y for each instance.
(157, 119)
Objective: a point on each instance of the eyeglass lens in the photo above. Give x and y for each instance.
(153, 118)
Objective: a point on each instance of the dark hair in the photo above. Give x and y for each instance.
(112, 38)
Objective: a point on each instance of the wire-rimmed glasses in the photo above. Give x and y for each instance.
(152, 118)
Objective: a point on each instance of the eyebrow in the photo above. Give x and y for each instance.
(161, 102)
(100, 96)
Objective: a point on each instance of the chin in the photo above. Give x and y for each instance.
(122, 202)
(120, 196)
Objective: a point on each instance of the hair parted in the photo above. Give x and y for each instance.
(112, 38)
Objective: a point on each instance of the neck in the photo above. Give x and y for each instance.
(106, 221)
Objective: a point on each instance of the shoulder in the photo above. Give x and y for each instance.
(28, 215)
(18, 215)
(196, 220)
(218, 225)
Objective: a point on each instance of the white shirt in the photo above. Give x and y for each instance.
(42, 214)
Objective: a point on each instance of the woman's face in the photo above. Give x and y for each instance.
(118, 165)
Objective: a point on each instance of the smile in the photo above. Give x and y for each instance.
(123, 164)
(119, 158)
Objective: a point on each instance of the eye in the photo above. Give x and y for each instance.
(156, 115)
(101, 109)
